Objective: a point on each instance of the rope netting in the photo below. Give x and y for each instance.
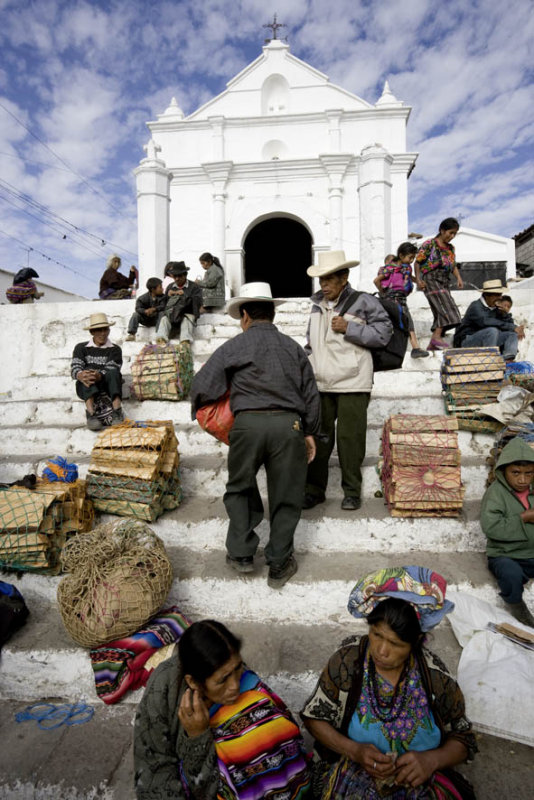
(35, 523)
(472, 377)
(524, 430)
(119, 576)
(420, 466)
(163, 372)
(134, 470)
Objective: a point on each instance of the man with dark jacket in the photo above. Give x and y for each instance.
(484, 326)
(343, 326)
(182, 309)
(507, 519)
(274, 398)
(148, 308)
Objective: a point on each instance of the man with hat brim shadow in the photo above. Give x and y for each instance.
(274, 398)
(484, 325)
(182, 310)
(343, 325)
(96, 368)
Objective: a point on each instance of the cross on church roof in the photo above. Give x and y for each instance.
(274, 26)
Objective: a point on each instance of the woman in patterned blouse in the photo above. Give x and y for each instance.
(435, 263)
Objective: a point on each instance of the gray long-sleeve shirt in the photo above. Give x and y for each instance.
(264, 369)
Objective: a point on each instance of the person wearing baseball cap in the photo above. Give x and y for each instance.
(96, 368)
(484, 326)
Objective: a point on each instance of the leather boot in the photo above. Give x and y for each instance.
(521, 613)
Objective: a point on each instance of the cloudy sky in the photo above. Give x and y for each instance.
(79, 79)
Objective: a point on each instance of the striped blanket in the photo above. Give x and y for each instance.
(259, 747)
(126, 664)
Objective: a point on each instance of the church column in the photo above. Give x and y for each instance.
(375, 211)
(217, 137)
(334, 130)
(153, 181)
(335, 166)
(218, 173)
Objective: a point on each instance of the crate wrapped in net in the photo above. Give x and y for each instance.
(118, 577)
(134, 470)
(163, 372)
(420, 467)
(35, 523)
(472, 377)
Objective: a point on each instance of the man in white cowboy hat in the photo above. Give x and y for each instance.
(484, 326)
(343, 325)
(96, 368)
(274, 398)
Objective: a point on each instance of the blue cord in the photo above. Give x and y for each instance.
(49, 716)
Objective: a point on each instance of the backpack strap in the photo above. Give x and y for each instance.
(348, 302)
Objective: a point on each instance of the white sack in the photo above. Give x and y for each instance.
(495, 675)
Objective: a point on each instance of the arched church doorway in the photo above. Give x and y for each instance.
(279, 250)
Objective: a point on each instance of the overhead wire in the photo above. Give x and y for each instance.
(31, 249)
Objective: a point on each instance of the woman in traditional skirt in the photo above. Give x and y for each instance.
(435, 263)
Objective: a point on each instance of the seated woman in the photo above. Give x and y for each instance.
(212, 285)
(207, 728)
(388, 719)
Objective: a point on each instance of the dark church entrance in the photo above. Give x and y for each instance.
(279, 251)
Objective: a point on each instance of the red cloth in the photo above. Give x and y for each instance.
(217, 418)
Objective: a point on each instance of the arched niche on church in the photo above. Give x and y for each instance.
(274, 150)
(278, 249)
(275, 95)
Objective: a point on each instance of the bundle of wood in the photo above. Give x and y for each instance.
(163, 372)
(472, 377)
(134, 470)
(34, 523)
(420, 469)
(525, 431)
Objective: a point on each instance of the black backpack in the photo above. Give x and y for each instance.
(391, 355)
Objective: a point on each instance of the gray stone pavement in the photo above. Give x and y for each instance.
(94, 761)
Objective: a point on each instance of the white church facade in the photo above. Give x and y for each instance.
(280, 166)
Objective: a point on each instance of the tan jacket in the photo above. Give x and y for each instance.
(342, 362)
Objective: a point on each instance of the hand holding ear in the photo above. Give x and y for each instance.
(193, 714)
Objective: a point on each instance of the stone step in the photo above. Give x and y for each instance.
(206, 474)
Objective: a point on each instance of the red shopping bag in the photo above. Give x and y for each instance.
(216, 418)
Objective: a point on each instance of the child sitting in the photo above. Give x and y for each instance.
(148, 308)
(507, 519)
(504, 311)
(395, 281)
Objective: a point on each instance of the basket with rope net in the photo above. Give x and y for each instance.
(119, 576)
(163, 372)
(134, 470)
(472, 377)
(420, 468)
(35, 523)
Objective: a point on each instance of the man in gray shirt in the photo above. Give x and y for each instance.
(274, 398)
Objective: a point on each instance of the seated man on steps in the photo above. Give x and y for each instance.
(343, 325)
(485, 326)
(182, 310)
(148, 308)
(274, 398)
(96, 368)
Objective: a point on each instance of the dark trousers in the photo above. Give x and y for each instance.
(511, 574)
(138, 318)
(275, 440)
(350, 410)
(111, 384)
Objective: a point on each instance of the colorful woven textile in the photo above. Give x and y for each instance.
(431, 256)
(21, 292)
(259, 747)
(121, 666)
(59, 469)
(420, 586)
(396, 277)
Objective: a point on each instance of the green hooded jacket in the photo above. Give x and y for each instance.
(500, 514)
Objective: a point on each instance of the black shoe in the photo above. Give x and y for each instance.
(241, 563)
(311, 500)
(418, 353)
(117, 416)
(278, 576)
(351, 503)
(93, 423)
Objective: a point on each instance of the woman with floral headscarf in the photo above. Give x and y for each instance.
(388, 719)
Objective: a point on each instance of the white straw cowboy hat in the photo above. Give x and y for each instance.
(98, 321)
(329, 262)
(251, 293)
(493, 287)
